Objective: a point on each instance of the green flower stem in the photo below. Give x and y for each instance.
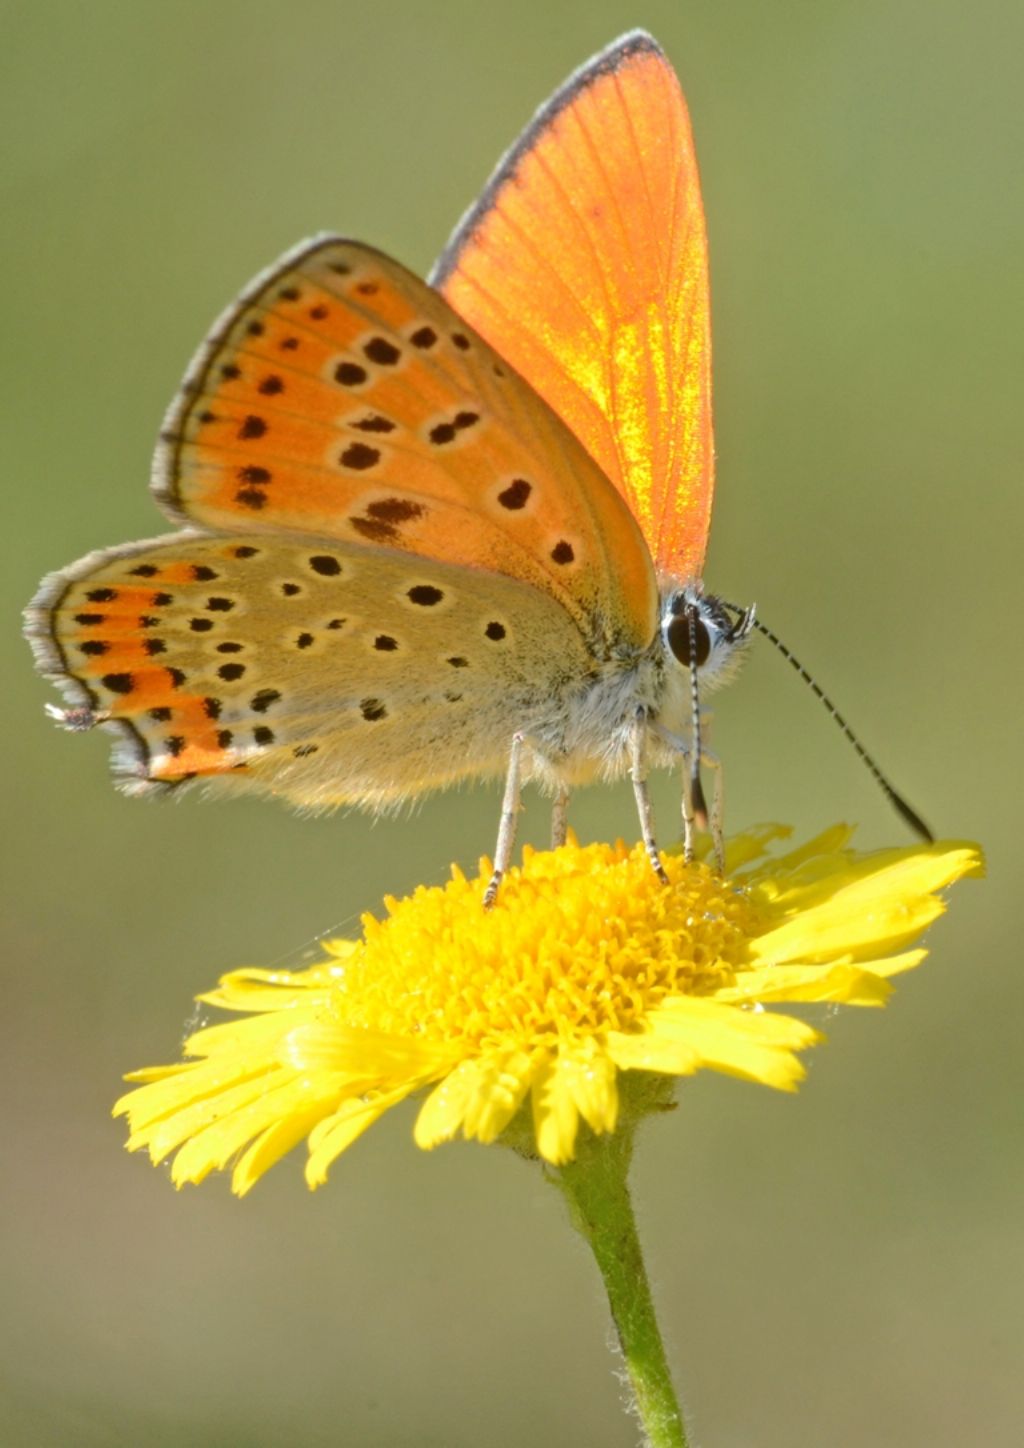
(595, 1187)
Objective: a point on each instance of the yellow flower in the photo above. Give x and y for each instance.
(588, 967)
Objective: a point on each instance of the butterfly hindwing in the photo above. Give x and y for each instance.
(341, 397)
(585, 264)
(321, 671)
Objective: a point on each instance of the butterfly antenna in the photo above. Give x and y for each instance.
(697, 801)
(902, 808)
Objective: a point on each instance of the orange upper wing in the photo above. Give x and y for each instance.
(585, 264)
(342, 397)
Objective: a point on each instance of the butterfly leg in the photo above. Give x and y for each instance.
(507, 825)
(560, 819)
(689, 811)
(638, 774)
(689, 818)
(717, 814)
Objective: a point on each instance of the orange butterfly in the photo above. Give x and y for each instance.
(434, 533)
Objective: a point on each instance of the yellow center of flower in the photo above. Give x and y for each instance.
(581, 941)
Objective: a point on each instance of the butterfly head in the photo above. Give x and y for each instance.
(701, 633)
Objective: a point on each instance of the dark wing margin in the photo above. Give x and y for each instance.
(605, 62)
(130, 755)
(166, 467)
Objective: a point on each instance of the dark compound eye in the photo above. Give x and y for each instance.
(678, 633)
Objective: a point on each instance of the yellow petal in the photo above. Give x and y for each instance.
(253, 1034)
(274, 1143)
(686, 1033)
(820, 852)
(337, 1132)
(588, 1074)
(353, 1052)
(555, 1114)
(480, 1097)
(864, 984)
(199, 1091)
(215, 1145)
(849, 984)
(442, 1114)
(501, 1083)
(273, 990)
(751, 845)
(882, 910)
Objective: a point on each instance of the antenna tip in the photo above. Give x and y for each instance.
(910, 817)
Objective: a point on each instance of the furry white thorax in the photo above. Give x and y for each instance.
(587, 735)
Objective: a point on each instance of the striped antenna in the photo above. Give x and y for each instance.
(698, 803)
(902, 808)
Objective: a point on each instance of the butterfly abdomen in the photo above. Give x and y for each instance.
(582, 732)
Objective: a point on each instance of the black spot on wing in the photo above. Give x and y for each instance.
(516, 495)
(425, 595)
(350, 374)
(360, 456)
(325, 564)
(381, 351)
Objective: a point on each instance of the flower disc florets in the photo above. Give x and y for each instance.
(579, 944)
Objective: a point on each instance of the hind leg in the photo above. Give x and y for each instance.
(560, 818)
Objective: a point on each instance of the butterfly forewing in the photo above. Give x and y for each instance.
(343, 398)
(325, 672)
(585, 264)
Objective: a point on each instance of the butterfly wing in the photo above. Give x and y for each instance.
(325, 672)
(342, 398)
(585, 264)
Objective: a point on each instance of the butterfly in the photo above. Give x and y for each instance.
(438, 531)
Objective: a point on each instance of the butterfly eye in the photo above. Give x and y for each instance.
(677, 633)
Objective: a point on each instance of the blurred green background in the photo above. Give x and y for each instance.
(837, 1268)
